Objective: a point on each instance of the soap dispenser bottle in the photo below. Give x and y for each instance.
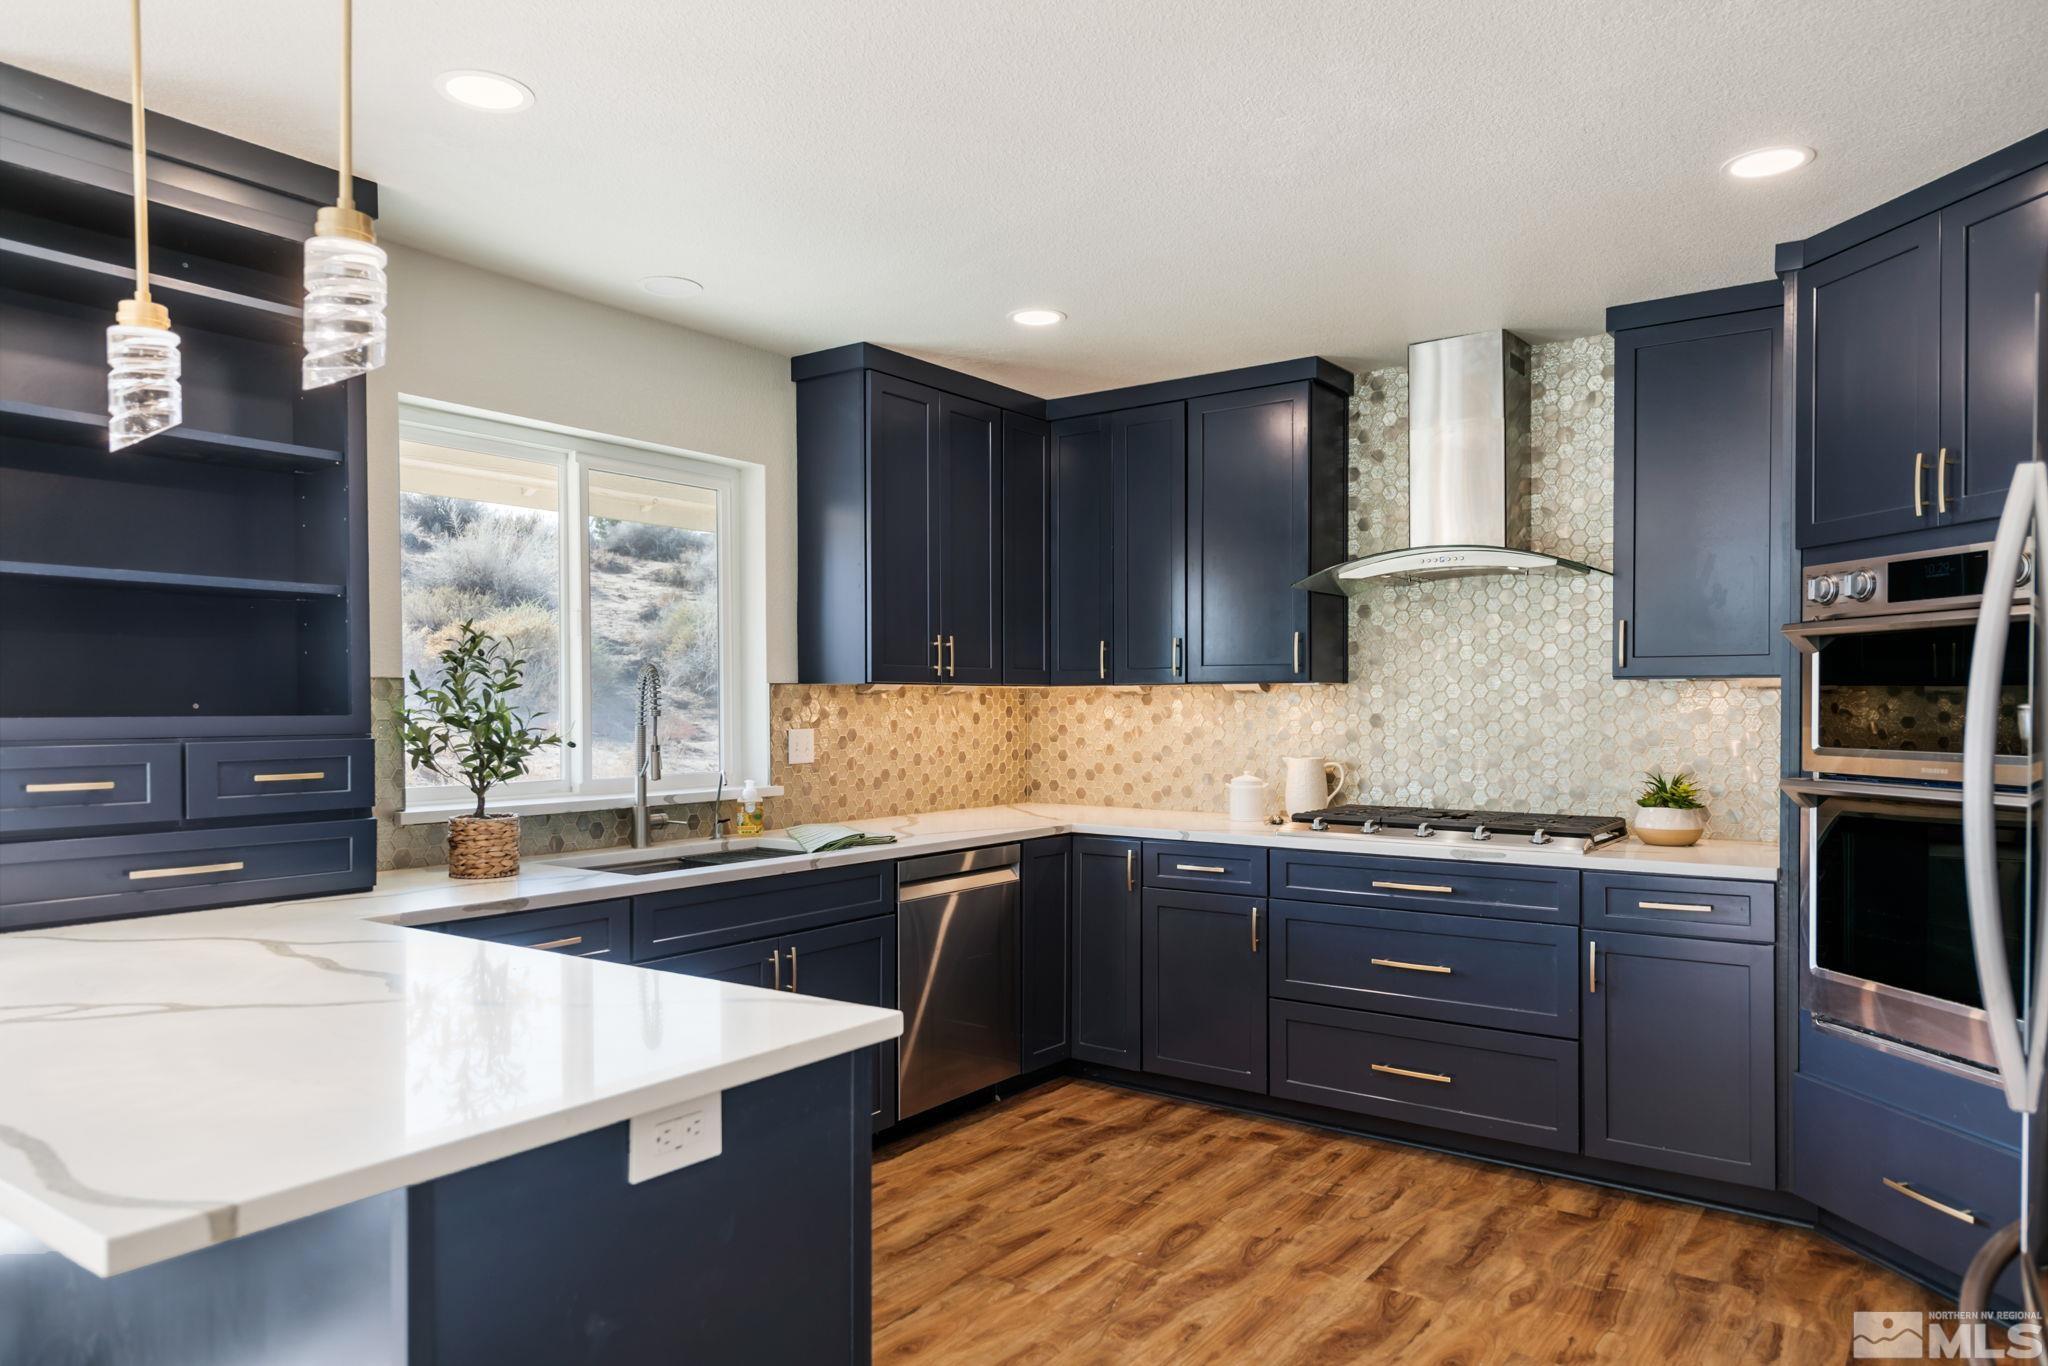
(753, 820)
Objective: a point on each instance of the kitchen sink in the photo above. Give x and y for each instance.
(677, 863)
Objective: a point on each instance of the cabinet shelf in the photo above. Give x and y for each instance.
(53, 274)
(36, 422)
(150, 578)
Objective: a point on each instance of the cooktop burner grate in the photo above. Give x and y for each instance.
(1540, 827)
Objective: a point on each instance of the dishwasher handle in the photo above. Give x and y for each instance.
(951, 886)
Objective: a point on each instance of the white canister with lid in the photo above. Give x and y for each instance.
(1248, 799)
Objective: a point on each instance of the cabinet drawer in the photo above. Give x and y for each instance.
(1507, 974)
(1206, 868)
(57, 881)
(276, 777)
(1704, 908)
(1477, 1081)
(1428, 885)
(79, 787)
(597, 930)
(684, 921)
(1851, 1157)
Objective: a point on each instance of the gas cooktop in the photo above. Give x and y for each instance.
(1425, 821)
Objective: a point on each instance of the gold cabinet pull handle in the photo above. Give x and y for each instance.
(97, 785)
(776, 959)
(939, 656)
(190, 870)
(1199, 868)
(1960, 1215)
(1438, 1077)
(1130, 870)
(1255, 929)
(1297, 652)
(1621, 643)
(953, 656)
(1919, 482)
(1176, 656)
(1437, 888)
(1592, 967)
(1941, 481)
(1409, 967)
(1692, 906)
(288, 777)
(1102, 659)
(571, 942)
(792, 967)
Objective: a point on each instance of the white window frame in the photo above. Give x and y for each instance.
(742, 684)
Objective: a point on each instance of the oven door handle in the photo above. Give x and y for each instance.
(2019, 1062)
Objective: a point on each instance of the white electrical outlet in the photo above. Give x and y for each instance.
(679, 1136)
(803, 746)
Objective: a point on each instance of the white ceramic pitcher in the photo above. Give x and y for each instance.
(1313, 784)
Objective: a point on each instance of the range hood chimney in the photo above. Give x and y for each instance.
(1468, 470)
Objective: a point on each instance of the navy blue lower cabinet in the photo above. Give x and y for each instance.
(1679, 1056)
(1492, 1082)
(1428, 885)
(1935, 1192)
(599, 929)
(1107, 930)
(1508, 974)
(1046, 951)
(1696, 907)
(58, 788)
(854, 962)
(228, 779)
(55, 882)
(1239, 868)
(691, 918)
(1205, 988)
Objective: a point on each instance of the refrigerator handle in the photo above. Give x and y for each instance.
(2019, 1068)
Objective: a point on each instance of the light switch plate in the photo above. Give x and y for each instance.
(803, 746)
(676, 1137)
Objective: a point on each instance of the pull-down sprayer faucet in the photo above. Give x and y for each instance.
(646, 752)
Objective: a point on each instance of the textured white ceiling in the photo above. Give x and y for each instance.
(1199, 185)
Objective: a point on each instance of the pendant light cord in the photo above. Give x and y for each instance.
(347, 198)
(140, 150)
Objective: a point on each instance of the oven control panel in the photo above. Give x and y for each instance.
(1945, 580)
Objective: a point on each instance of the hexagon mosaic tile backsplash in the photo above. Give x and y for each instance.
(1485, 692)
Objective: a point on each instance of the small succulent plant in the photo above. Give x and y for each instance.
(1677, 792)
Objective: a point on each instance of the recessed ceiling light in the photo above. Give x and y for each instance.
(485, 90)
(1767, 161)
(670, 286)
(1038, 317)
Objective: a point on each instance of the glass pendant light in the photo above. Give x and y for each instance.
(345, 282)
(143, 397)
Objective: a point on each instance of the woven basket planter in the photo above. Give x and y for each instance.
(483, 846)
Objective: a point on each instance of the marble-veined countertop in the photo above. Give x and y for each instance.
(175, 1081)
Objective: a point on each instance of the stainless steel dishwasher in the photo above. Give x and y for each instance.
(956, 974)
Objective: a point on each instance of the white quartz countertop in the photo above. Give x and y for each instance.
(175, 1081)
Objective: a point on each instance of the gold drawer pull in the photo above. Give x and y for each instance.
(1405, 1072)
(1409, 967)
(1199, 868)
(1960, 1215)
(288, 777)
(191, 870)
(1415, 887)
(1694, 907)
(98, 785)
(571, 942)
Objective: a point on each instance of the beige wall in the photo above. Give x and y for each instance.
(468, 336)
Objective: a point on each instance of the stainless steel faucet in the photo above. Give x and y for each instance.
(718, 821)
(646, 753)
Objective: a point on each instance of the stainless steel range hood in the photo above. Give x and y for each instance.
(1468, 470)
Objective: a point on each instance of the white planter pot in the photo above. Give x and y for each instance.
(1672, 828)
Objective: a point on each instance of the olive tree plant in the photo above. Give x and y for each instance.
(462, 726)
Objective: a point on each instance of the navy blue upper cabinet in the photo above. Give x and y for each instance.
(1026, 551)
(1264, 511)
(969, 535)
(1148, 470)
(1700, 474)
(1106, 920)
(1869, 387)
(1083, 570)
(903, 464)
(1679, 1056)
(1994, 259)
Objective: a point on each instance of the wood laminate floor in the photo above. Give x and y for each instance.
(1085, 1223)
